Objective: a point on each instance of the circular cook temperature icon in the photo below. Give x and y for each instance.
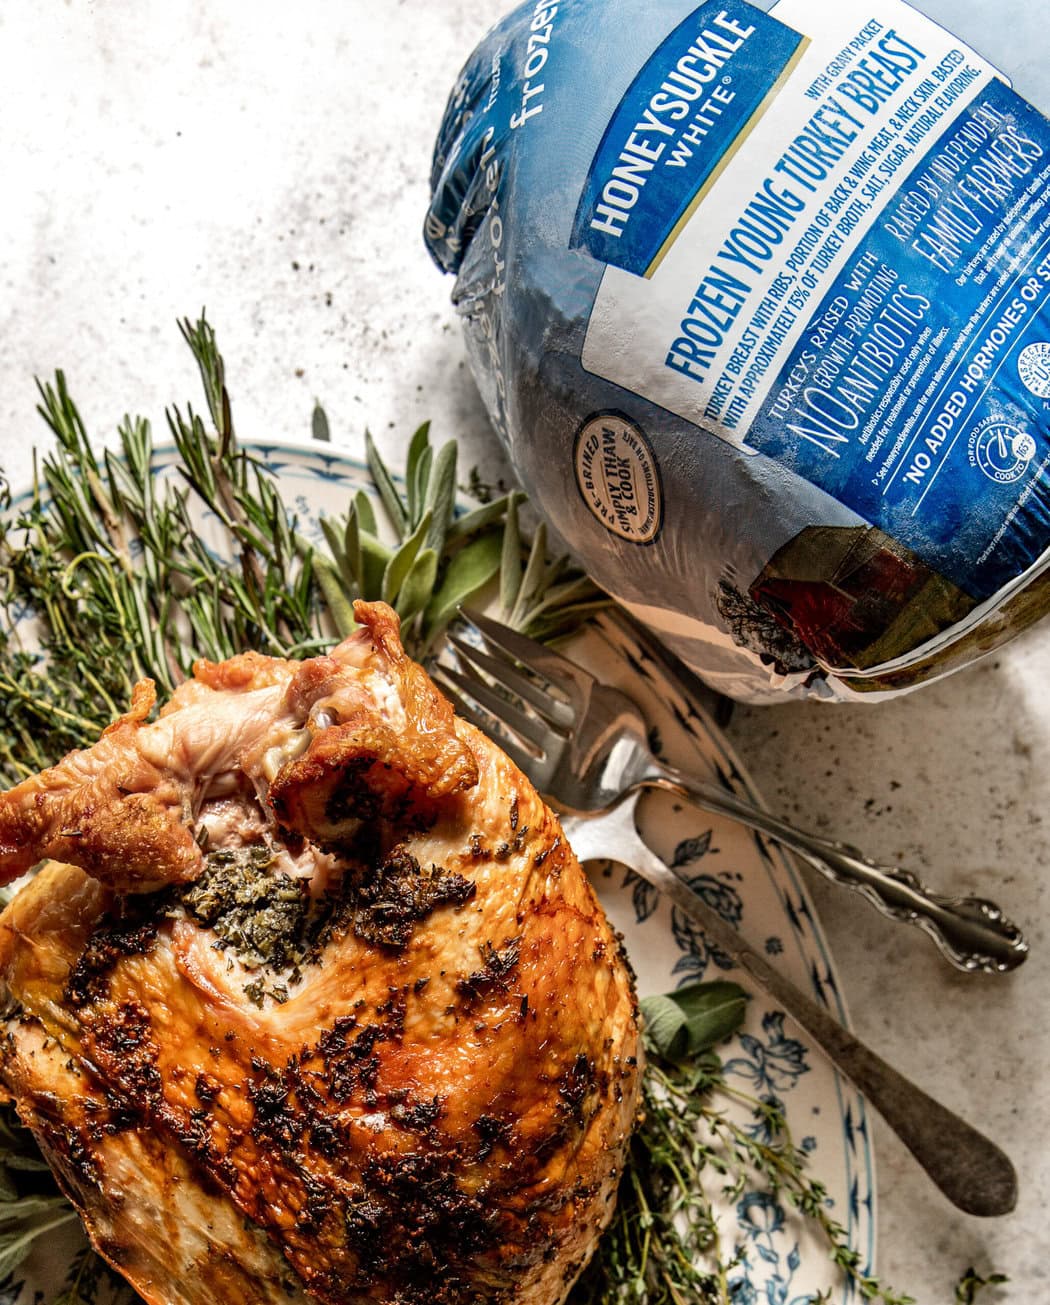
(1001, 450)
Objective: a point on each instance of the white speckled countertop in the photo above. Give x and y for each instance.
(270, 162)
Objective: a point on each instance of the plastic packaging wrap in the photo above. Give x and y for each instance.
(758, 303)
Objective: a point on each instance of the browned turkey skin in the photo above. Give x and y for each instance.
(319, 1004)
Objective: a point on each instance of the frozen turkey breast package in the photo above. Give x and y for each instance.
(758, 303)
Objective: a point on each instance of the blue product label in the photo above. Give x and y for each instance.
(699, 94)
(919, 390)
(858, 287)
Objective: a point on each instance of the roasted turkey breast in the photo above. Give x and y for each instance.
(313, 1001)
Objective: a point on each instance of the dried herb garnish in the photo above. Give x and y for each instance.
(257, 913)
(391, 900)
(268, 919)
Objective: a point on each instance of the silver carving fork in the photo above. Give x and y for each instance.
(584, 745)
(587, 743)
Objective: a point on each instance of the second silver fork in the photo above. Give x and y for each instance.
(588, 743)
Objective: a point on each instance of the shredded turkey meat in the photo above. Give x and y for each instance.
(311, 1000)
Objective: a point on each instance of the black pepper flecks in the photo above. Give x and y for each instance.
(132, 933)
(492, 1132)
(495, 973)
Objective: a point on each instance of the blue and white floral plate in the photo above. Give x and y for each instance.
(755, 886)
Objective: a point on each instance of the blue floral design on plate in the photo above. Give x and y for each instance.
(773, 1066)
(761, 1218)
(699, 953)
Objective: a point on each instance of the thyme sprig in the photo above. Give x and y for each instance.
(691, 1148)
(971, 1284)
(130, 575)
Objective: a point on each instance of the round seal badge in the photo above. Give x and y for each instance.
(618, 477)
(1001, 450)
(1033, 367)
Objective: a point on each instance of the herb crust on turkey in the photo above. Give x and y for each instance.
(312, 1000)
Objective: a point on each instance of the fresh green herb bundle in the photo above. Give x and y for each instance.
(663, 1246)
(112, 563)
(110, 559)
(440, 558)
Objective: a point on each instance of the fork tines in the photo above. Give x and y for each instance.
(494, 687)
(549, 669)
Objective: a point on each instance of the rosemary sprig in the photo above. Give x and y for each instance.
(112, 562)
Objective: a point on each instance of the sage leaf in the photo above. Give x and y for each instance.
(14, 1247)
(418, 585)
(665, 1025)
(510, 560)
(580, 593)
(441, 495)
(384, 483)
(332, 535)
(401, 563)
(16, 1243)
(374, 559)
(319, 425)
(563, 621)
(417, 472)
(532, 580)
(29, 1164)
(469, 570)
(336, 544)
(418, 492)
(352, 547)
(331, 585)
(695, 1018)
(365, 513)
(28, 1206)
(478, 518)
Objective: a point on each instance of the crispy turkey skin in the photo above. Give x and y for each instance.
(313, 1001)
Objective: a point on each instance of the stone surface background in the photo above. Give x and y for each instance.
(270, 162)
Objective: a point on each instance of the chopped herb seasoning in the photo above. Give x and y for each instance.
(398, 895)
(258, 913)
(494, 975)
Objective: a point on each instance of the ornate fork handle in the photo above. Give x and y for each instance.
(971, 1171)
(971, 932)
